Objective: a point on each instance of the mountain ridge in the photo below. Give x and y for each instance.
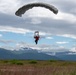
(7, 54)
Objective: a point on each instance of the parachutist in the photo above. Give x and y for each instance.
(36, 36)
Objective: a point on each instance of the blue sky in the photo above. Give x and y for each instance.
(57, 32)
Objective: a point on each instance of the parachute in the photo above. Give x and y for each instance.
(26, 7)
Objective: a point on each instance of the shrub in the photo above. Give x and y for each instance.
(33, 62)
(19, 63)
(16, 62)
(13, 61)
(5, 61)
(53, 60)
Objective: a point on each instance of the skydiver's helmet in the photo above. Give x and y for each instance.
(36, 33)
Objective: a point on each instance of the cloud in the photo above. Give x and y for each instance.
(49, 37)
(14, 30)
(9, 7)
(35, 21)
(62, 42)
(6, 41)
(41, 47)
(69, 36)
(73, 10)
(66, 17)
(73, 49)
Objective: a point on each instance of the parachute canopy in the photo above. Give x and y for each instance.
(24, 8)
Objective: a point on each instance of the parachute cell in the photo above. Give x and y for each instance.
(24, 8)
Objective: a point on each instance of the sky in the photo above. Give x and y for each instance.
(57, 32)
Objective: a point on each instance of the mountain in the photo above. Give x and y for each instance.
(29, 53)
(68, 55)
(6, 54)
(25, 53)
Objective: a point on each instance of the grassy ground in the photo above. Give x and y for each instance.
(33, 67)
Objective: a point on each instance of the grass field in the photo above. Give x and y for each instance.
(33, 67)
